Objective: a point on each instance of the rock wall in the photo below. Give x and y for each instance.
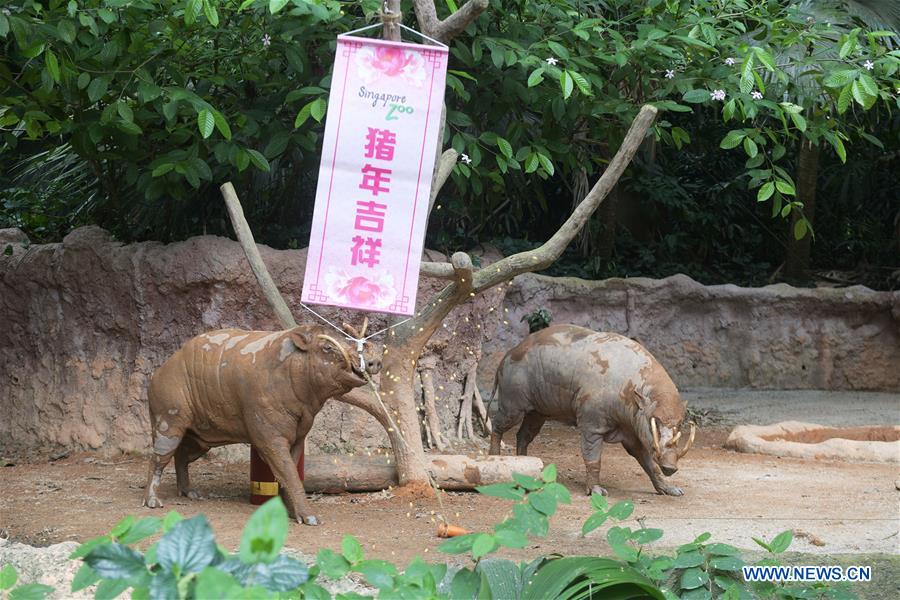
(83, 324)
(775, 337)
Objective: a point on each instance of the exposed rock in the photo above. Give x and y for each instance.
(774, 337)
(83, 324)
(816, 442)
(49, 566)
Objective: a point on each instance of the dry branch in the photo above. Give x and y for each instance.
(445, 30)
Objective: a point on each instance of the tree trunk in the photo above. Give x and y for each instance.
(607, 214)
(343, 473)
(796, 264)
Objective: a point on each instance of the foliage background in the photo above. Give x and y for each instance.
(129, 113)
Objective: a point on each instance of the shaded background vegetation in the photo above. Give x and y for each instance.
(682, 208)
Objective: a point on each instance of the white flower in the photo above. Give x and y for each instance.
(756, 95)
(729, 61)
(552, 60)
(869, 65)
(718, 95)
(670, 74)
(266, 41)
(465, 158)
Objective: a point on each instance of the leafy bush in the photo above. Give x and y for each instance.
(27, 591)
(537, 320)
(187, 563)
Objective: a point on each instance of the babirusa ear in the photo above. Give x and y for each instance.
(647, 406)
(302, 340)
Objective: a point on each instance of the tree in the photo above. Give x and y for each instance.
(407, 339)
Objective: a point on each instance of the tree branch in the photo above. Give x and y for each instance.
(245, 237)
(444, 167)
(543, 257)
(438, 270)
(446, 30)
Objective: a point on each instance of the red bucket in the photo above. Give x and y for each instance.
(263, 485)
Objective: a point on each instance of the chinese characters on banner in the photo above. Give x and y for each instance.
(378, 155)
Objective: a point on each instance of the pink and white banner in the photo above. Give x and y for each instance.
(381, 134)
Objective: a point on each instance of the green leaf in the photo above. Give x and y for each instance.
(695, 96)
(718, 549)
(458, 545)
(52, 64)
(732, 139)
(783, 540)
(162, 170)
(317, 109)
(332, 565)
(97, 88)
(31, 591)
(351, 549)
(583, 84)
(593, 522)
(265, 531)
(646, 536)
(621, 510)
(192, 11)
(746, 84)
(214, 583)
(502, 490)
(693, 578)
(4, 25)
(510, 538)
(799, 120)
(766, 191)
(549, 473)
(525, 481)
(108, 589)
(483, 545)
(840, 78)
(536, 77)
(85, 548)
(221, 124)
(764, 57)
(844, 99)
(599, 502)
(838, 146)
(566, 83)
(507, 151)
(303, 115)
(206, 123)
(726, 563)
(784, 187)
(687, 560)
(868, 84)
(276, 5)
(127, 114)
(800, 229)
(750, 147)
(115, 561)
(534, 522)
(8, 577)
(189, 544)
(543, 502)
(532, 163)
(465, 584)
(546, 163)
(85, 577)
(209, 9)
(861, 96)
(170, 520)
(277, 144)
(259, 161)
(379, 573)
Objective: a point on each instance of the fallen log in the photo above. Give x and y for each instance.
(333, 474)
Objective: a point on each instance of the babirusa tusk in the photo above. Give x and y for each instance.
(655, 434)
(339, 347)
(675, 439)
(690, 441)
(365, 325)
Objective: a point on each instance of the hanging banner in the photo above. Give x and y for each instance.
(381, 135)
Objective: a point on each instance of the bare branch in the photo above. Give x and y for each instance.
(543, 257)
(444, 168)
(438, 270)
(245, 237)
(446, 30)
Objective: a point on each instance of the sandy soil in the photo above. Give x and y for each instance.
(848, 508)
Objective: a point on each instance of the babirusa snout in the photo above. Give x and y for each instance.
(690, 441)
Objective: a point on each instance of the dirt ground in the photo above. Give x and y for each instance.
(840, 508)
